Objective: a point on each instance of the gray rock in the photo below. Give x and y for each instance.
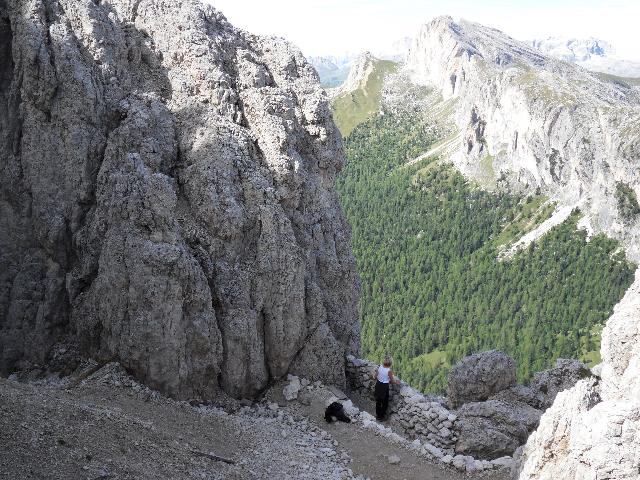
(168, 198)
(506, 462)
(463, 462)
(290, 391)
(479, 376)
(522, 394)
(492, 429)
(393, 459)
(339, 394)
(563, 376)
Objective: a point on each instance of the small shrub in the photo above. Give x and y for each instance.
(627, 201)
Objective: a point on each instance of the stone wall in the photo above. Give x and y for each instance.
(419, 416)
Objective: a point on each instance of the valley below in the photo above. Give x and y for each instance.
(428, 242)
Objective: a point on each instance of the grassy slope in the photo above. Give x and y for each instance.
(352, 109)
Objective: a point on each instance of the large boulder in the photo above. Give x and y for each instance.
(546, 385)
(522, 394)
(479, 376)
(493, 429)
(563, 376)
(167, 198)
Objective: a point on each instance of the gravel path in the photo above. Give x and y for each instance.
(369, 452)
(112, 428)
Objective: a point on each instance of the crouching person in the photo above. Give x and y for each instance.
(334, 412)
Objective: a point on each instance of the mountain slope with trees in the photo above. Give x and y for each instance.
(426, 243)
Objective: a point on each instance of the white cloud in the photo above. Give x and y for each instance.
(336, 27)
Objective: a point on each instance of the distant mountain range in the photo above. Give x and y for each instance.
(590, 53)
(333, 70)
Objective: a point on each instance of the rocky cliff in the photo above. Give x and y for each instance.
(359, 72)
(167, 199)
(537, 122)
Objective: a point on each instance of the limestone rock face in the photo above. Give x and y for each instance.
(592, 431)
(535, 122)
(167, 198)
(477, 377)
(359, 72)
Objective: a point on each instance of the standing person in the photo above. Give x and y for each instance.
(383, 376)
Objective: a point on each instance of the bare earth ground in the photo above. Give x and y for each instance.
(110, 427)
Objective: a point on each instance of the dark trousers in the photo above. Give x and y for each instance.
(382, 399)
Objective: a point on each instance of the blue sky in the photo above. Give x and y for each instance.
(334, 27)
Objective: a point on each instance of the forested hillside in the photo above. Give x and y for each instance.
(426, 243)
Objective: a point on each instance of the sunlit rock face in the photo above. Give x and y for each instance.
(535, 122)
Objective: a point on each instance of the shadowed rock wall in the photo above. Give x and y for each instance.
(167, 198)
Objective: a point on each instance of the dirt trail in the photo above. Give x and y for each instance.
(369, 452)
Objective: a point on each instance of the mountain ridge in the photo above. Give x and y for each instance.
(591, 53)
(538, 118)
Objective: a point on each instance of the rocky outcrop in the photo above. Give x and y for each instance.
(564, 375)
(593, 429)
(358, 75)
(535, 122)
(167, 198)
(494, 415)
(477, 377)
(494, 428)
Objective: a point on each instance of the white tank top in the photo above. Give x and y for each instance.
(383, 374)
